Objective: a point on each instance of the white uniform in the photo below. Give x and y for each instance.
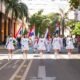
(35, 45)
(61, 43)
(69, 43)
(10, 43)
(56, 43)
(41, 44)
(48, 45)
(25, 43)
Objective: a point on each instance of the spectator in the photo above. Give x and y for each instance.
(19, 42)
(78, 43)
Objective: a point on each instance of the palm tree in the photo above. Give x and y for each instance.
(16, 9)
(63, 16)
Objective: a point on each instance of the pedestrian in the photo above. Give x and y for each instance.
(78, 43)
(56, 45)
(19, 42)
(25, 45)
(41, 45)
(10, 45)
(69, 45)
(61, 43)
(64, 41)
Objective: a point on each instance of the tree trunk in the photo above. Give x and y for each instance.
(63, 24)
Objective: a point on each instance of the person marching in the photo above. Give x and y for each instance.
(56, 43)
(48, 44)
(25, 45)
(41, 45)
(10, 45)
(61, 43)
(69, 45)
(35, 44)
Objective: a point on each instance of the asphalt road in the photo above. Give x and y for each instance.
(58, 69)
(41, 69)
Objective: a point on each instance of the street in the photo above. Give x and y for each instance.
(47, 67)
(40, 69)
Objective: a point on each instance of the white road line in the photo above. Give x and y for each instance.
(41, 72)
(26, 71)
(16, 72)
(4, 65)
(45, 56)
(15, 64)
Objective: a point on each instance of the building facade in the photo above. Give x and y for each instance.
(6, 27)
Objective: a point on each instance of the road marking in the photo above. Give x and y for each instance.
(26, 71)
(45, 56)
(15, 64)
(4, 65)
(42, 74)
(17, 71)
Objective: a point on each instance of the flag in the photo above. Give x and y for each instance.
(25, 31)
(19, 32)
(31, 33)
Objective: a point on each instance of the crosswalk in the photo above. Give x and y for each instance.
(44, 56)
(17, 54)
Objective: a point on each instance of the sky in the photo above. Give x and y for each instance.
(47, 6)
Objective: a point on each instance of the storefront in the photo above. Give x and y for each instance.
(6, 27)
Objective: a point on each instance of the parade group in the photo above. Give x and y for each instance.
(41, 44)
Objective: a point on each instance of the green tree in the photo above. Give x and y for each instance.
(37, 19)
(74, 3)
(16, 9)
(63, 16)
(43, 21)
(76, 29)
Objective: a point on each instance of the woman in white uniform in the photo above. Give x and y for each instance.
(56, 43)
(61, 43)
(48, 44)
(69, 45)
(35, 44)
(25, 45)
(41, 45)
(10, 42)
